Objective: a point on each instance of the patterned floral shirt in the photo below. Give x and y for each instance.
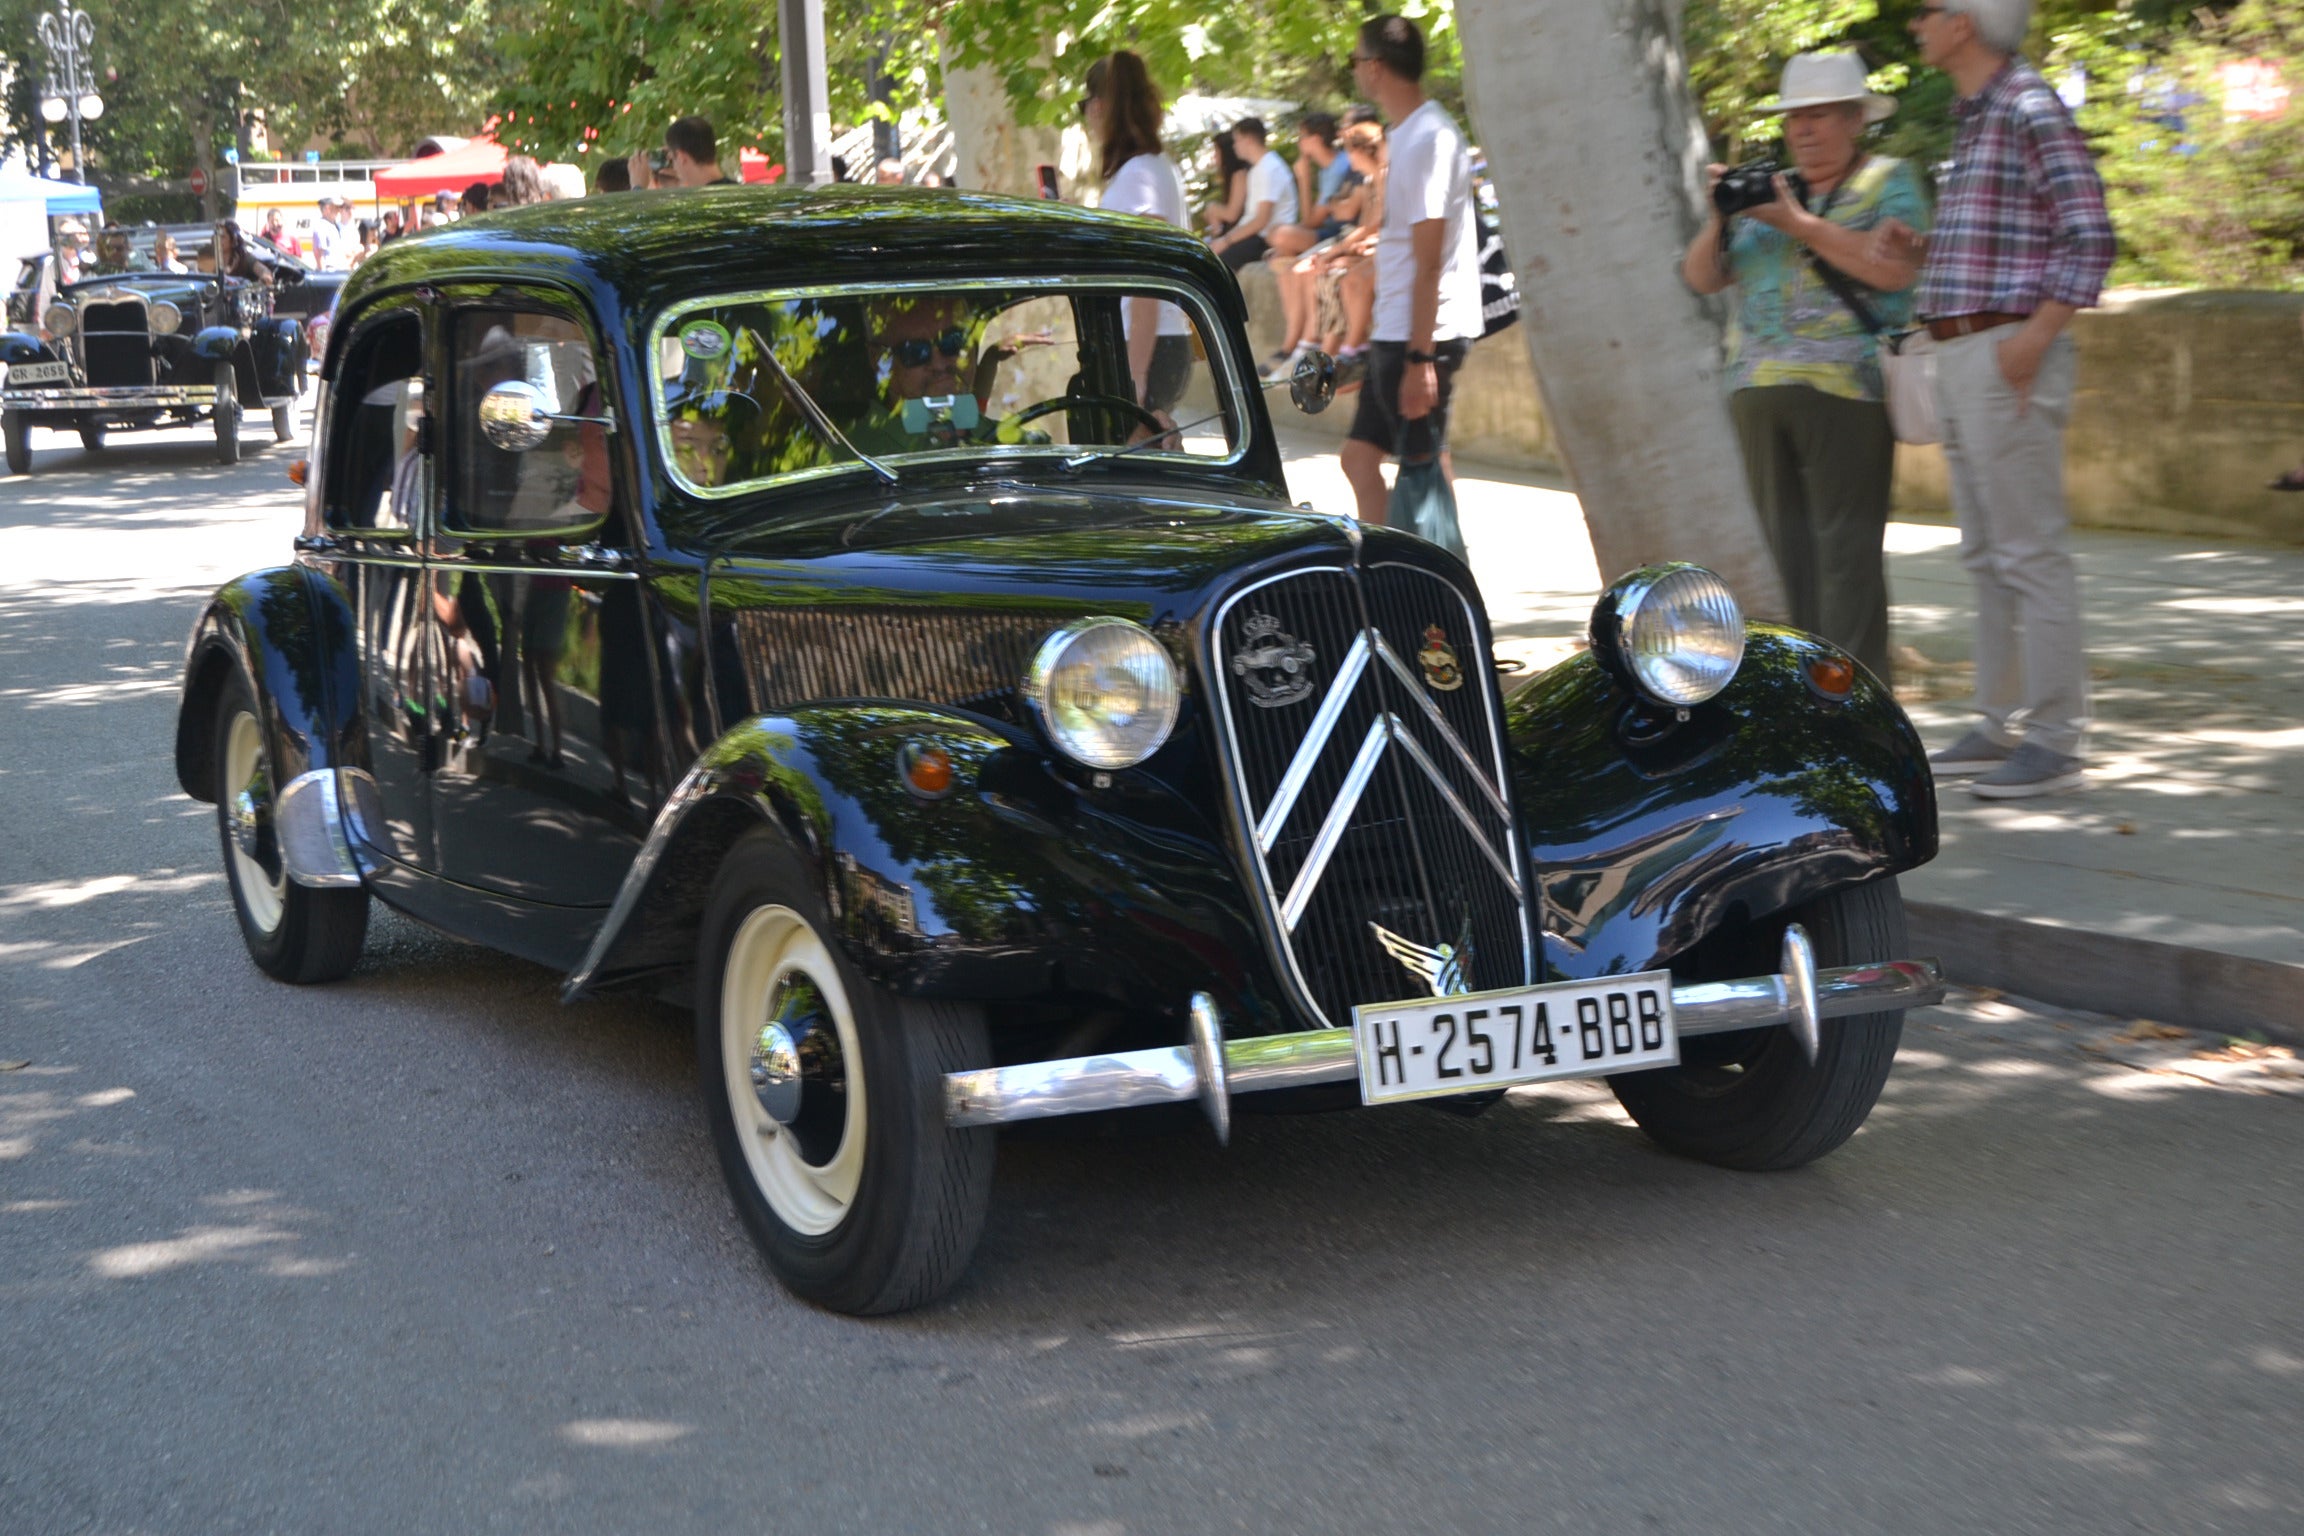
(1789, 326)
(2022, 217)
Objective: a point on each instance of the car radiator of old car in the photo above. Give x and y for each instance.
(116, 340)
(1362, 739)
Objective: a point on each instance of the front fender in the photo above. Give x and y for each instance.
(288, 631)
(1646, 834)
(1022, 882)
(17, 347)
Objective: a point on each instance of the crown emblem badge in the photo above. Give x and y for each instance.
(1438, 658)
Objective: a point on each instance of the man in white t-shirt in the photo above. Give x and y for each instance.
(1427, 266)
(1271, 200)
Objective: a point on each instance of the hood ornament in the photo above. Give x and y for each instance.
(1441, 969)
(1274, 666)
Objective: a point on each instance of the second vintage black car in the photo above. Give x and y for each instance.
(134, 349)
(876, 619)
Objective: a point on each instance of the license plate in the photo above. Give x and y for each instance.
(1429, 1048)
(36, 373)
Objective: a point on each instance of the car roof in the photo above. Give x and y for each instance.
(653, 248)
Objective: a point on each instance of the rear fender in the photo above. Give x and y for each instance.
(288, 631)
(1022, 882)
(1648, 833)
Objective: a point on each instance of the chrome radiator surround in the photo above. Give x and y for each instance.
(1369, 798)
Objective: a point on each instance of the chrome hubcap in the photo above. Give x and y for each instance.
(248, 822)
(776, 1074)
(799, 1073)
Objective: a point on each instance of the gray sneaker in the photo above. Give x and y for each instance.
(2030, 770)
(1972, 753)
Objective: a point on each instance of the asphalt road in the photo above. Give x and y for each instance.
(428, 1252)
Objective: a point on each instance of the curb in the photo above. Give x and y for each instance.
(2201, 989)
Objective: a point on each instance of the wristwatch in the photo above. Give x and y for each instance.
(1415, 356)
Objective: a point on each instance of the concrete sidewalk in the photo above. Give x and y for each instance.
(2169, 888)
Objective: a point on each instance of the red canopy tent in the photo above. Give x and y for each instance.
(480, 160)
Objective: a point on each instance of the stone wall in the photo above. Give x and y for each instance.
(2188, 402)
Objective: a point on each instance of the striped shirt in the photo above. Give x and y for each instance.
(2021, 219)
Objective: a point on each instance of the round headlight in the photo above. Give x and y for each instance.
(1675, 629)
(166, 318)
(59, 320)
(1105, 691)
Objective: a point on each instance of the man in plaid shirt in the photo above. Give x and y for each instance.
(2021, 244)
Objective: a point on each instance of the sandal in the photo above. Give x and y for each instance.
(2291, 481)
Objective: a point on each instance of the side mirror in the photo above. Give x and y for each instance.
(513, 418)
(1313, 385)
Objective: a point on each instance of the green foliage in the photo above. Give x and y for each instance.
(2196, 199)
(585, 78)
(2199, 197)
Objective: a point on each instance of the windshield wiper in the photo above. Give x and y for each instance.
(814, 412)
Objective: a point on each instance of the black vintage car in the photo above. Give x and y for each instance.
(141, 350)
(876, 619)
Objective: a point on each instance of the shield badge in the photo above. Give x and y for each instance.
(1438, 657)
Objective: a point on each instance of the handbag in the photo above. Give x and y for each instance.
(1421, 500)
(1907, 363)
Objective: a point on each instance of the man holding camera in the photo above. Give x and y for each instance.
(2022, 243)
(1803, 348)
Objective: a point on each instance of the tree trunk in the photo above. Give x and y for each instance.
(204, 155)
(1597, 155)
(995, 153)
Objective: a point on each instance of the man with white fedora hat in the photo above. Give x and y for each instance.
(2022, 243)
(1803, 362)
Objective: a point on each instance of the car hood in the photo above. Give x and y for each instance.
(1146, 554)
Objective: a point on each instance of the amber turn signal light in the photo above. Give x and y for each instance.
(1831, 676)
(927, 769)
(297, 470)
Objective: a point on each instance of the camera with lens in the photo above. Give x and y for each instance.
(1753, 185)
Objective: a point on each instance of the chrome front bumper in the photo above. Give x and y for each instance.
(1213, 1070)
(137, 397)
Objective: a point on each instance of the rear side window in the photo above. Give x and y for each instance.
(562, 485)
(377, 479)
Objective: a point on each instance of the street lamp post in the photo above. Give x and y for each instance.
(70, 37)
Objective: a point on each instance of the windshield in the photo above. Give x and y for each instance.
(911, 374)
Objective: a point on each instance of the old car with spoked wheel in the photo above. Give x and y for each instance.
(876, 622)
(131, 349)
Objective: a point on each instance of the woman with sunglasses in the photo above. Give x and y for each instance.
(1122, 110)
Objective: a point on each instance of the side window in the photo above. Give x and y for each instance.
(564, 484)
(376, 479)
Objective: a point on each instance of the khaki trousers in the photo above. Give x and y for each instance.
(2007, 464)
(1819, 468)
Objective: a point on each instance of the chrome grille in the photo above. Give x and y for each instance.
(1374, 796)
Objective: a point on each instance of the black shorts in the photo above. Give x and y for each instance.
(1241, 252)
(1377, 419)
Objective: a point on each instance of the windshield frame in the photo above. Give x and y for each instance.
(1199, 310)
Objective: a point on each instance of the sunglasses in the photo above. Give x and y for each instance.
(913, 351)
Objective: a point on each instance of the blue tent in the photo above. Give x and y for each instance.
(60, 197)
